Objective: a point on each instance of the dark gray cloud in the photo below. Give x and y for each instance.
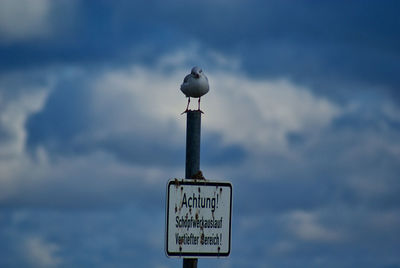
(66, 114)
(73, 237)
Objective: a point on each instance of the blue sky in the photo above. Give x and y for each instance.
(303, 117)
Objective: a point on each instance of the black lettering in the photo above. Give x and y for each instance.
(189, 202)
(203, 202)
(184, 202)
(194, 200)
(208, 202)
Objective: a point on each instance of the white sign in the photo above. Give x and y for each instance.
(198, 218)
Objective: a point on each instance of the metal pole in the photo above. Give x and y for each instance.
(193, 125)
(189, 263)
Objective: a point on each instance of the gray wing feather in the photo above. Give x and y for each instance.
(186, 78)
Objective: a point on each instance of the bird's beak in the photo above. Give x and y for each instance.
(197, 75)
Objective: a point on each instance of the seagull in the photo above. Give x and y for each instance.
(195, 85)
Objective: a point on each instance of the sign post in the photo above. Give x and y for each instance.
(198, 217)
(192, 167)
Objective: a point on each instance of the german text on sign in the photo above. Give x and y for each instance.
(198, 218)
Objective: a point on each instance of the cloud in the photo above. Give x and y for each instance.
(41, 253)
(13, 116)
(150, 98)
(308, 173)
(305, 226)
(251, 127)
(118, 119)
(267, 111)
(24, 21)
(21, 20)
(302, 117)
(306, 44)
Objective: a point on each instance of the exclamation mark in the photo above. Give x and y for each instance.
(220, 239)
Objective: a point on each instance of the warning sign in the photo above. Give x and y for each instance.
(198, 218)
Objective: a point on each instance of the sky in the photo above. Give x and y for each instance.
(303, 117)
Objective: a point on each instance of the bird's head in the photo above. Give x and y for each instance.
(196, 71)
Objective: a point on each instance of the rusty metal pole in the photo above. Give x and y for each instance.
(192, 167)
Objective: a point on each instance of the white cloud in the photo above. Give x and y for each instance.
(13, 117)
(41, 253)
(260, 113)
(25, 19)
(306, 226)
(254, 114)
(257, 114)
(282, 247)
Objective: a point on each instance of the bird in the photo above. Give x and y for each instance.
(195, 85)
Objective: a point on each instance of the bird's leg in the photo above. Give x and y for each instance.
(199, 107)
(187, 107)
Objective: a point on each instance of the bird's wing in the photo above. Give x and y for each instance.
(185, 80)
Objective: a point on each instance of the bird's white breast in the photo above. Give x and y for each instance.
(195, 87)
